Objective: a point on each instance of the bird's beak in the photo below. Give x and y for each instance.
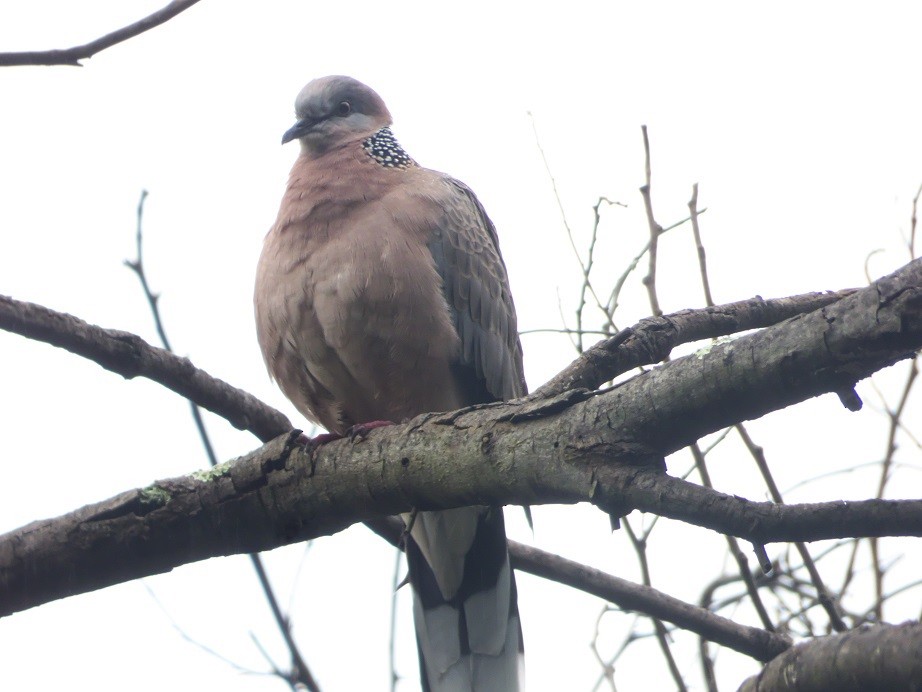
(298, 130)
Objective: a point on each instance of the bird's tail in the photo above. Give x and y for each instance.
(467, 617)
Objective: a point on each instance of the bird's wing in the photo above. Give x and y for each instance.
(466, 611)
(465, 248)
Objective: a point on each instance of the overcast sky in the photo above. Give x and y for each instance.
(799, 122)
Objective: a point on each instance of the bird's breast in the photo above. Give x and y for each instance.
(359, 308)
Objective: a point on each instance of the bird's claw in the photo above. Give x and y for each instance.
(360, 431)
(312, 444)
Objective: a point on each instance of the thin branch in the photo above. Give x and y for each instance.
(704, 656)
(73, 56)
(392, 640)
(585, 267)
(195, 642)
(742, 562)
(644, 599)
(826, 599)
(913, 220)
(895, 424)
(276, 671)
(628, 596)
(590, 260)
(299, 674)
(608, 667)
(130, 356)
(153, 301)
(567, 331)
(640, 549)
(550, 175)
(612, 305)
(844, 471)
(866, 617)
(563, 319)
(702, 256)
(895, 416)
(655, 229)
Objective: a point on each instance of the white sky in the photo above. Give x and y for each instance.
(800, 123)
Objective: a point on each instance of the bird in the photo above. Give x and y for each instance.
(381, 294)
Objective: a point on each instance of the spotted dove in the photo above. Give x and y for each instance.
(381, 294)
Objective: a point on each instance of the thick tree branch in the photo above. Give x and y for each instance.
(603, 448)
(73, 56)
(280, 494)
(652, 339)
(885, 657)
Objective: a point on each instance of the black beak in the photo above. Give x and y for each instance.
(298, 130)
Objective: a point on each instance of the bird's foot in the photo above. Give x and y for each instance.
(312, 444)
(357, 432)
(360, 430)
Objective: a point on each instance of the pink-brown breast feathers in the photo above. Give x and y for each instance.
(352, 318)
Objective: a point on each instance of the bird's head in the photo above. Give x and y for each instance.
(334, 110)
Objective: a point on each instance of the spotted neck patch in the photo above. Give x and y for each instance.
(384, 148)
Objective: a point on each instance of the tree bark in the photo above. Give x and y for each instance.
(880, 657)
(604, 447)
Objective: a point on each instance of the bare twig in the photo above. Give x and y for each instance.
(567, 331)
(825, 597)
(73, 56)
(732, 543)
(585, 267)
(640, 548)
(742, 562)
(612, 305)
(704, 655)
(756, 642)
(590, 259)
(895, 424)
(841, 472)
(276, 671)
(872, 612)
(137, 266)
(391, 647)
(702, 257)
(640, 543)
(886, 466)
(913, 220)
(699, 456)
(895, 416)
(655, 229)
(185, 635)
(751, 641)
(300, 673)
(607, 666)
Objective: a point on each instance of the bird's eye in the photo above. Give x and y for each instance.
(343, 109)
